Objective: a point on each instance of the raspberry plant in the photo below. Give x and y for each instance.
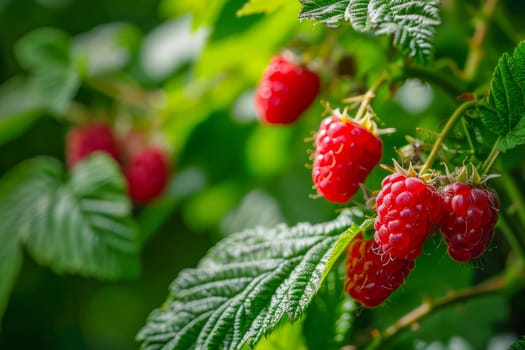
(405, 230)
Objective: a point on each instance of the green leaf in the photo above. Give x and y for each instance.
(330, 316)
(519, 345)
(42, 48)
(107, 48)
(245, 286)
(81, 225)
(285, 336)
(411, 22)
(58, 86)
(260, 6)
(20, 106)
(46, 52)
(327, 11)
(503, 111)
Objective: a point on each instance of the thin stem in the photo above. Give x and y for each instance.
(476, 53)
(509, 189)
(469, 138)
(432, 305)
(446, 129)
(491, 158)
(517, 245)
(369, 96)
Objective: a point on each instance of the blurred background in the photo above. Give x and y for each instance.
(188, 69)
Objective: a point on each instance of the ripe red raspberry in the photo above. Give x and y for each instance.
(345, 153)
(147, 174)
(285, 91)
(83, 140)
(407, 209)
(371, 275)
(469, 216)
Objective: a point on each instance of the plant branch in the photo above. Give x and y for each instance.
(476, 52)
(491, 158)
(509, 189)
(369, 96)
(446, 129)
(430, 306)
(517, 245)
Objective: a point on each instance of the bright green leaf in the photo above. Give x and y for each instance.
(331, 12)
(245, 286)
(286, 336)
(330, 316)
(503, 111)
(20, 105)
(79, 226)
(42, 48)
(260, 6)
(411, 22)
(58, 86)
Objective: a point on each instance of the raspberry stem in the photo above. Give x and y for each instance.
(491, 158)
(509, 189)
(446, 129)
(517, 245)
(369, 96)
(505, 283)
(476, 53)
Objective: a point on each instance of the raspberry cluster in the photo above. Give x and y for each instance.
(407, 210)
(146, 167)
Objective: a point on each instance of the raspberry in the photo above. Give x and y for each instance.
(147, 174)
(345, 153)
(285, 91)
(407, 209)
(86, 139)
(469, 216)
(371, 275)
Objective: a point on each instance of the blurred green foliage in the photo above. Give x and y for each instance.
(119, 59)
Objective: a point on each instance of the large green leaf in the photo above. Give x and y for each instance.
(81, 225)
(503, 111)
(246, 285)
(411, 22)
